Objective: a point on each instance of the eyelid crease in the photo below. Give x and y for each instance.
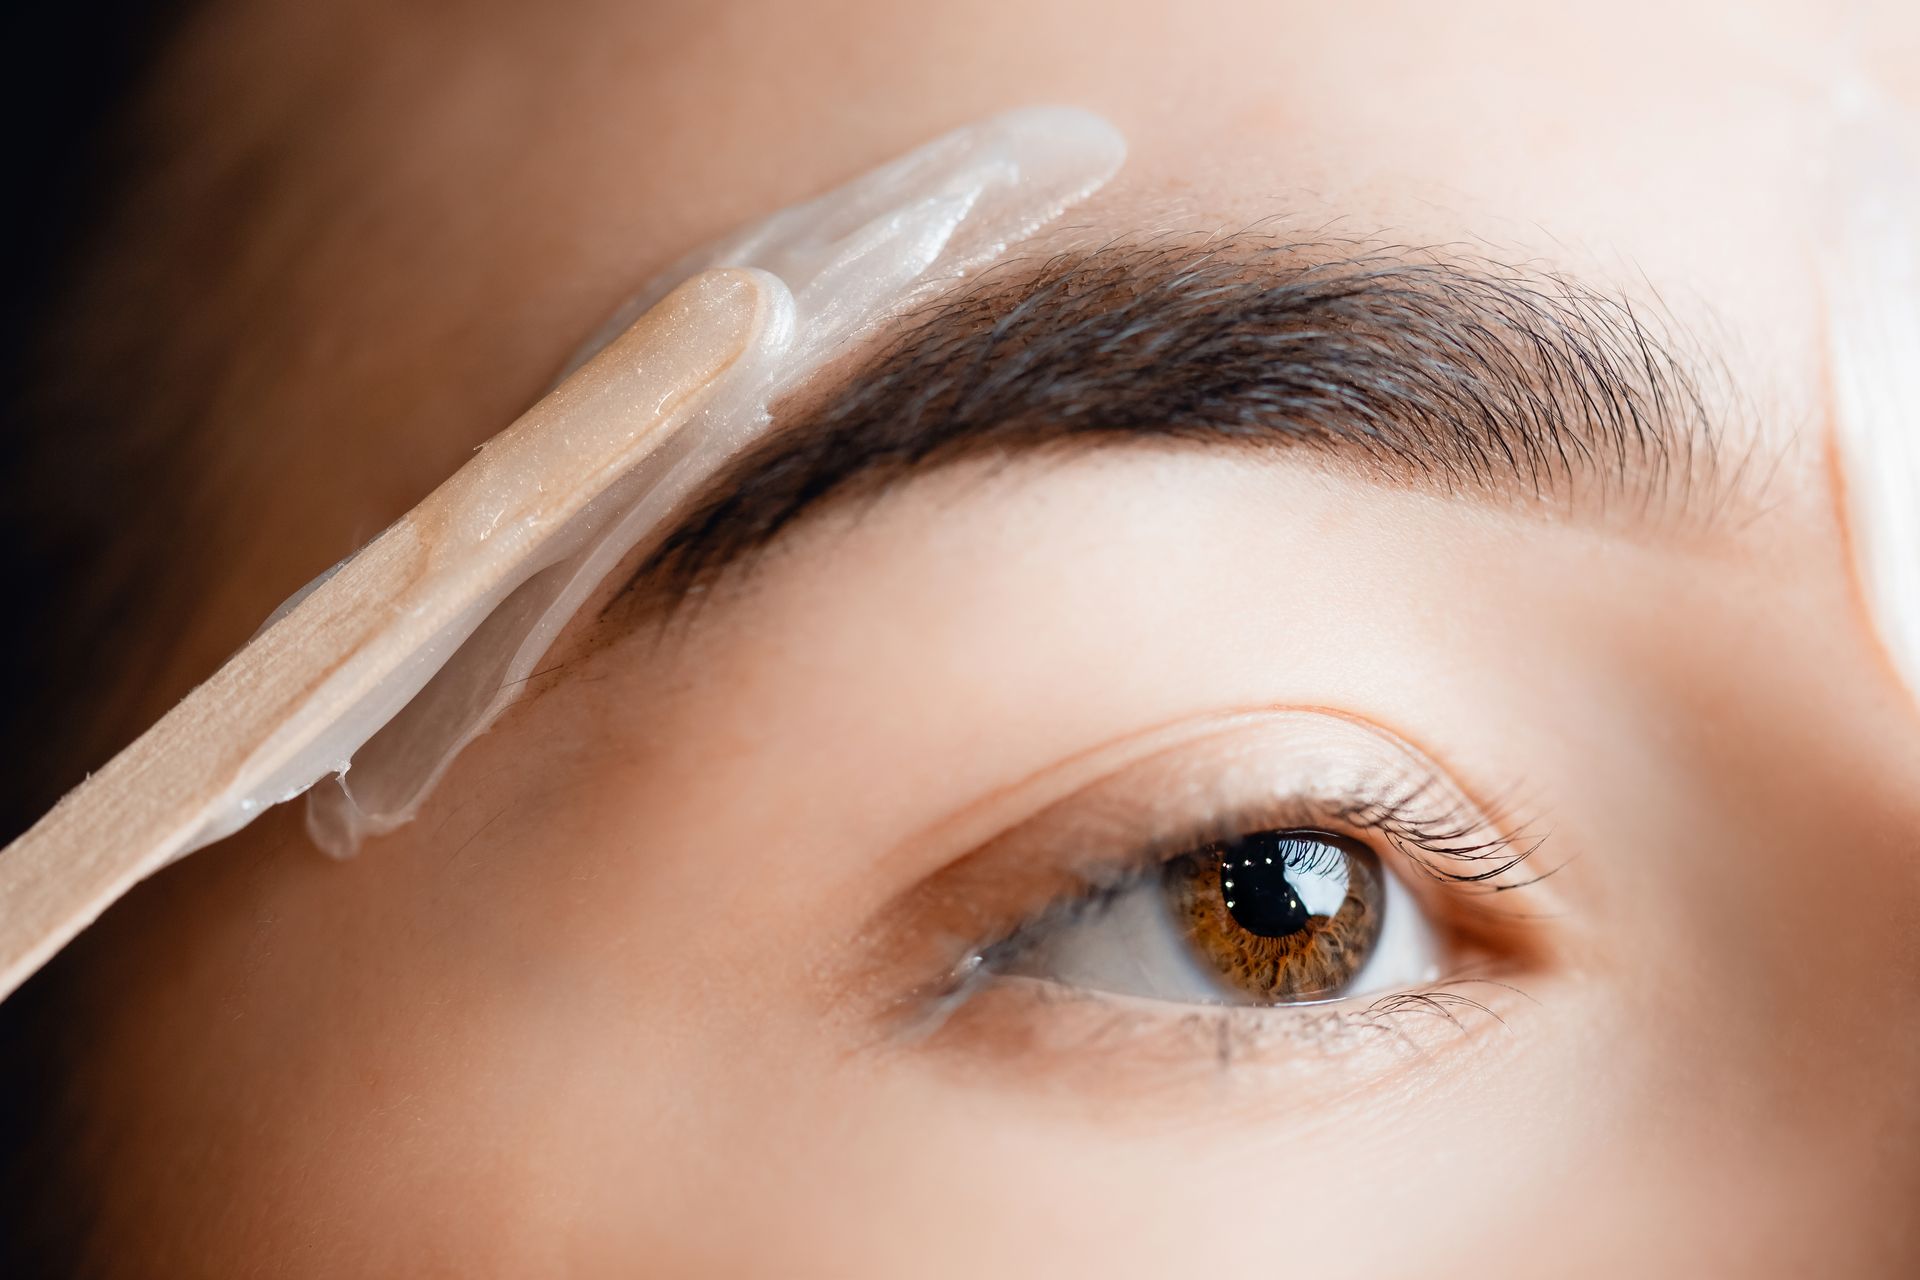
(1002, 809)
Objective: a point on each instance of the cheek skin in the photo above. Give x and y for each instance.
(586, 1003)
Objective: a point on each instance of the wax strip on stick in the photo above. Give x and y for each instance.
(307, 691)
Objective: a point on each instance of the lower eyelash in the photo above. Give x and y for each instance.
(1437, 1006)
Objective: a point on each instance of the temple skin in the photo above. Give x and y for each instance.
(590, 1012)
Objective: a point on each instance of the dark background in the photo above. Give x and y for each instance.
(68, 74)
(67, 68)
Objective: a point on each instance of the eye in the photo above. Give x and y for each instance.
(1272, 917)
(1232, 863)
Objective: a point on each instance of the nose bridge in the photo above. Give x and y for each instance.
(1849, 917)
(1887, 1013)
(1896, 849)
(1790, 862)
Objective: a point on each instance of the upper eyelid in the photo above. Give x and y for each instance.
(1495, 829)
(989, 885)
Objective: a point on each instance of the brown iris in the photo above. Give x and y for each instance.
(1283, 916)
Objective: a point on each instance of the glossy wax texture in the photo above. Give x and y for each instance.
(309, 690)
(1873, 291)
(848, 261)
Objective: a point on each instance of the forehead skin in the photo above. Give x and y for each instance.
(395, 235)
(436, 208)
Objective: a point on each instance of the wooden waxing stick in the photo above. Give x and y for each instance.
(301, 675)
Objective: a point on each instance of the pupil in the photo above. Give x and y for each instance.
(1263, 879)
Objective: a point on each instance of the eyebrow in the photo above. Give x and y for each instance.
(1411, 366)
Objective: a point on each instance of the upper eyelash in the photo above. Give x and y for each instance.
(1450, 844)
(1453, 844)
(1480, 850)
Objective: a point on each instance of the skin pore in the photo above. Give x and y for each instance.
(629, 991)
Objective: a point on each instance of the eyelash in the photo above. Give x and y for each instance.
(1453, 846)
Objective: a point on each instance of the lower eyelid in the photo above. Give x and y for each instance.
(1102, 1046)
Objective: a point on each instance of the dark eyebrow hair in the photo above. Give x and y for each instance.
(1413, 366)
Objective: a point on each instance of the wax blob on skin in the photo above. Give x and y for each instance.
(849, 260)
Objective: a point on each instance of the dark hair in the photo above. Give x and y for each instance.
(1417, 366)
